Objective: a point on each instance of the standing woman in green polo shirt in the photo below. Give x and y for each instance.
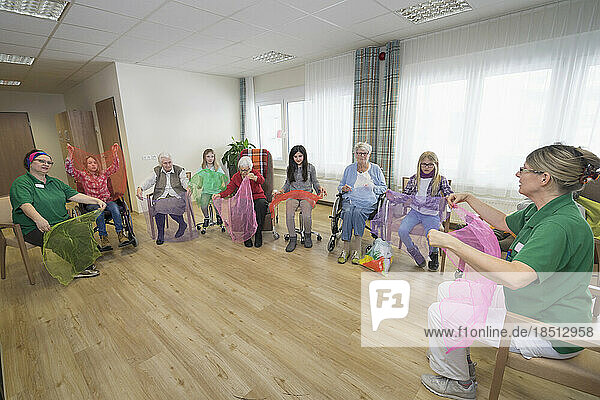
(546, 273)
(38, 201)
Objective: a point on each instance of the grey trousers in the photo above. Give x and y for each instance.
(291, 205)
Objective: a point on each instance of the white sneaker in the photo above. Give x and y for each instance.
(449, 388)
(89, 272)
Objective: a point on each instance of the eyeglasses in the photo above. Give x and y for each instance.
(362, 153)
(244, 169)
(426, 164)
(523, 169)
(50, 163)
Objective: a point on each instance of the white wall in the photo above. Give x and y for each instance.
(279, 80)
(41, 108)
(179, 112)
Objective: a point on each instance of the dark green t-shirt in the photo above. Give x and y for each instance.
(558, 244)
(48, 199)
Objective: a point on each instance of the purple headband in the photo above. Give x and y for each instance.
(35, 155)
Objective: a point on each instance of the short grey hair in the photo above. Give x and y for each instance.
(364, 146)
(164, 154)
(245, 162)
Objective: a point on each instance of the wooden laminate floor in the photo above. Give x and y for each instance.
(210, 319)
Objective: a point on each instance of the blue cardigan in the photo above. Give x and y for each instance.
(359, 197)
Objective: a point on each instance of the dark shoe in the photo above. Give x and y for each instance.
(248, 243)
(123, 240)
(291, 245)
(418, 257)
(104, 244)
(434, 263)
(219, 220)
(205, 223)
(258, 239)
(307, 240)
(159, 241)
(181, 230)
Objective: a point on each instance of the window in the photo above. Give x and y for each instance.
(295, 118)
(270, 129)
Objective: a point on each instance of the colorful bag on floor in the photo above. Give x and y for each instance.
(69, 247)
(237, 213)
(379, 257)
(470, 297)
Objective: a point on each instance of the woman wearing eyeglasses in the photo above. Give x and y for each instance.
(547, 270)
(426, 183)
(38, 201)
(362, 184)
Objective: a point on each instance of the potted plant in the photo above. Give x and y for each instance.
(231, 156)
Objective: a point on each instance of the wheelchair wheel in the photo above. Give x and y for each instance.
(275, 235)
(286, 237)
(222, 229)
(134, 242)
(319, 237)
(331, 244)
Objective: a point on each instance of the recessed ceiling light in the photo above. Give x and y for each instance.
(14, 59)
(433, 9)
(49, 9)
(9, 83)
(273, 57)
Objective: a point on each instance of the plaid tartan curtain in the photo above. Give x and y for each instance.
(366, 94)
(386, 137)
(242, 108)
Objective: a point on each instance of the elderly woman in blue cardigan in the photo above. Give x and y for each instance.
(362, 184)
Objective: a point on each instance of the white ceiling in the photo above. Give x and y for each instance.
(210, 36)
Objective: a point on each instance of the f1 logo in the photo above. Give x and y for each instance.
(389, 299)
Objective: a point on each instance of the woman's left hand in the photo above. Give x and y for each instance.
(439, 239)
(323, 192)
(252, 176)
(101, 204)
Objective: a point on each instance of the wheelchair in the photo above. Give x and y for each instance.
(211, 220)
(336, 219)
(300, 229)
(125, 218)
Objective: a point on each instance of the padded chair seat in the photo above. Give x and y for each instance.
(12, 242)
(581, 372)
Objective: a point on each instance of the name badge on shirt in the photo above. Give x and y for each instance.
(518, 247)
(40, 185)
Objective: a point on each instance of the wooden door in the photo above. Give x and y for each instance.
(17, 140)
(109, 129)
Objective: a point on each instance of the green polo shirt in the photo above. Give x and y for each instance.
(48, 199)
(553, 239)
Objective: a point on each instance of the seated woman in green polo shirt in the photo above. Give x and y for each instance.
(38, 201)
(547, 270)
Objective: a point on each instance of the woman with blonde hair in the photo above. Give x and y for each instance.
(426, 183)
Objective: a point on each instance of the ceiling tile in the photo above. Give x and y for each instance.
(184, 17)
(172, 57)
(394, 5)
(205, 43)
(26, 24)
(268, 14)
(137, 9)
(132, 49)
(232, 30)
(351, 12)
(95, 65)
(98, 19)
(243, 50)
(380, 25)
(45, 64)
(22, 39)
(18, 50)
(65, 56)
(217, 59)
(94, 36)
(278, 42)
(221, 7)
(74, 47)
(13, 72)
(314, 30)
(158, 32)
(311, 6)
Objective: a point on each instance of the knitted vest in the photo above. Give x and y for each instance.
(161, 181)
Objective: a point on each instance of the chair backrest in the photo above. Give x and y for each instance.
(263, 161)
(591, 190)
(405, 180)
(5, 210)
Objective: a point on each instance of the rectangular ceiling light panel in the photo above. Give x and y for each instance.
(433, 9)
(49, 9)
(14, 59)
(9, 83)
(273, 57)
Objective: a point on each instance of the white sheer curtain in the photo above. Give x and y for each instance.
(250, 123)
(328, 118)
(484, 95)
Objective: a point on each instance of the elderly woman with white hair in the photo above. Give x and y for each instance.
(362, 184)
(170, 186)
(245, 170)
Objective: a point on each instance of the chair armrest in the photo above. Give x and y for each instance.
(4, 226)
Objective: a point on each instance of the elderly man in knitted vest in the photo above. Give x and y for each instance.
(170, 186)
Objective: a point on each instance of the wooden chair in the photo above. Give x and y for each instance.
(16, 241)
(445, 225)
(581, 372)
